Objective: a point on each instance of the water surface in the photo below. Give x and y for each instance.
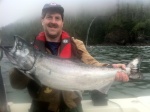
(109, 54)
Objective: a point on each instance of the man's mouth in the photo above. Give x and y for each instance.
(52, 28)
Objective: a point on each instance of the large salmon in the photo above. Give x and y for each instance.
(64, 74)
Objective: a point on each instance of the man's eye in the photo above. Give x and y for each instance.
(48, 17)
(57, 18)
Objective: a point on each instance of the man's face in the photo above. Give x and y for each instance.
(52, 24)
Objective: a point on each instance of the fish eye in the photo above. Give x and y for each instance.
(19, 45)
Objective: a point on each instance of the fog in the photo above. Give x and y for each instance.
(10, 11)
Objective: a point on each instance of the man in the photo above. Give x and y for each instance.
(57, 42)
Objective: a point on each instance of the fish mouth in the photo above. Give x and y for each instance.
(9, 55)
(21, 54)
(9, 52)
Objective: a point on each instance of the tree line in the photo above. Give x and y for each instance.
(134, 19)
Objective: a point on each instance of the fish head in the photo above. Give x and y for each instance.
(134, 67)
(22, 54)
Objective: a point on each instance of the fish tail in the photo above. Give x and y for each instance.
(134, 66)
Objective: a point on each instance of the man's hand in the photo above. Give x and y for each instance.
(121, 76)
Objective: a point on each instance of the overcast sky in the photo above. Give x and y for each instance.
(12, 10)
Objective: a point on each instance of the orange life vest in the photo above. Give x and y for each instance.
(65, 46)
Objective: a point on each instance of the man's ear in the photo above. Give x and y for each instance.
(63, 24)
(42, 21)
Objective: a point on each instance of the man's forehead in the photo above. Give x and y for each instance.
(53, 13)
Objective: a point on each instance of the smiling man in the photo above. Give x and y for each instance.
(52, 21)
(57, 42)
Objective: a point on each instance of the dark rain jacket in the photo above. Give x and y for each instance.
(53, 98)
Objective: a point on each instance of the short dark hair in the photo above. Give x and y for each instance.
(52, 7)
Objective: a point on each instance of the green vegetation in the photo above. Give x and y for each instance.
(133, 19)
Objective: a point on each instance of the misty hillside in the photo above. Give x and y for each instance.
(129, 24)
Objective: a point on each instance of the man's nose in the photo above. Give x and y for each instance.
(53, 20)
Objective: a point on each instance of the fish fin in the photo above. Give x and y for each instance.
(105, 88)
(35, 79)
(32, 76)
(79, 93)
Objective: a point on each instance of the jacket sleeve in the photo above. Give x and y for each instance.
(83, 54)
(17, 79)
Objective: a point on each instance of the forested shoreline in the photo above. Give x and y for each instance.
(129, 24)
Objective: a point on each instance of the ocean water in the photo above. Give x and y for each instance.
(106, 54)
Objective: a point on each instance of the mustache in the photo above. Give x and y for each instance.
(52, 25)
